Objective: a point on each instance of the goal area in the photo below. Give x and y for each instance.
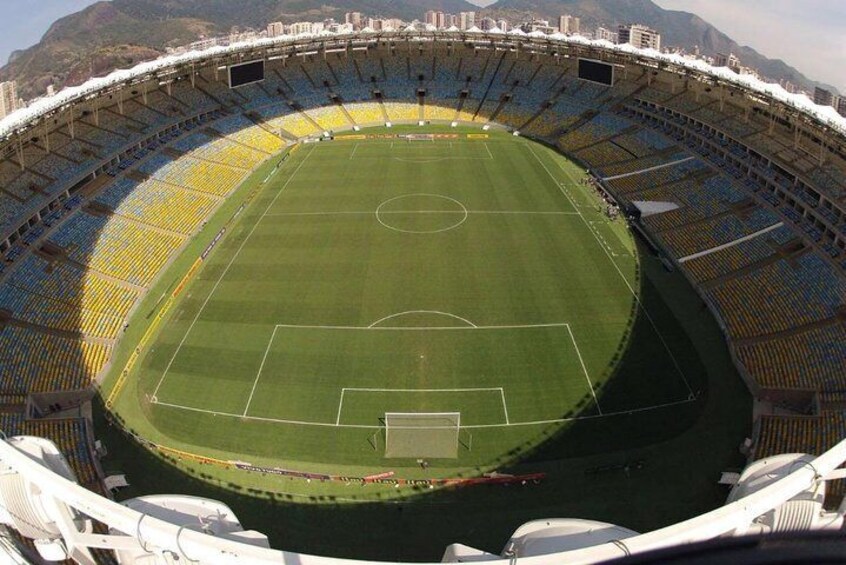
(422, 434)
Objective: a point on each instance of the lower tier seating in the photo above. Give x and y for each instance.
(32, 361)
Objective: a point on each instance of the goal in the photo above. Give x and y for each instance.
(422, 434)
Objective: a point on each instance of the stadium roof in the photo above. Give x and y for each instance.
(22, 118)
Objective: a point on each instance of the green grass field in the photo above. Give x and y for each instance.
(383, 276)
(640, 469)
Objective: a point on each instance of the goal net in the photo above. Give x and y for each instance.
(422, 434)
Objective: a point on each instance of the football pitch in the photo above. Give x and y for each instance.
(469, 276)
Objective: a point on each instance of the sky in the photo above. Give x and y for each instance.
(808, 34)
(773, 27)
(25, 21)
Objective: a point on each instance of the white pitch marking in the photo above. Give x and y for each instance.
(424, 328)
(397, 315)
(226, 270)
(470, 427)
(619, 271)
(584, 369)
(488, 149)
(261, 368)
(426, 390)
(439, 159)
(504, 406)
(340, 407)
(353, 151)
(423, 390)
(453, 200)
(397, 212)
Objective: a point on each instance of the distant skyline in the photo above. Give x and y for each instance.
(809, 34)
(30, 20)
(775, 28)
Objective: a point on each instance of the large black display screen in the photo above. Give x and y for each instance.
(246, 73)
(596, 71)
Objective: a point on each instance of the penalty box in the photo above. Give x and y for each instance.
(352, 376)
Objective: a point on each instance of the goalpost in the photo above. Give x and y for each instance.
(422, 434)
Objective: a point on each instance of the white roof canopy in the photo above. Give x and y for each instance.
(21, 118)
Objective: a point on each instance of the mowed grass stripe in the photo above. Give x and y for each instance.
(297, 258)
(304, 367)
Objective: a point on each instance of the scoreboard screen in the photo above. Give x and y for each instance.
(246, 73)
(596, 71)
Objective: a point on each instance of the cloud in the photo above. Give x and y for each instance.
(809, 35)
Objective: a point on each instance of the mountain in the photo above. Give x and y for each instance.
(678, 29)
(122, 33)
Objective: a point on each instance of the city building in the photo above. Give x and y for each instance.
(503, 25)
(639, 36)
(731, 61)
(394, 23)
(302, 27)
(353, 18)
(841, 106)
(376, 24)
(275, 29)
(8, 97)
(822, 96)
(466, 20)
(569, 24)
(538, 25)
(487, 24)
(606, 34)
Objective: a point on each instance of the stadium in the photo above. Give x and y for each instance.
(344, 281)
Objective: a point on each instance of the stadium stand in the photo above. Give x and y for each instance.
(116, 247)
(365, 113)
(779, 295)
(402, 111)
(810, 360)
(731, 259)
(158, 204)
(33, 361)
(329, 118)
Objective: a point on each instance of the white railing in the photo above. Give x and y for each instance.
(159, 536)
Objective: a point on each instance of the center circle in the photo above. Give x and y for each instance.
(421, 213)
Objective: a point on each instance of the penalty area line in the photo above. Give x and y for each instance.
(423, 328)
(261, 368)
(584, 369)
(470, 427)
(504, 406)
